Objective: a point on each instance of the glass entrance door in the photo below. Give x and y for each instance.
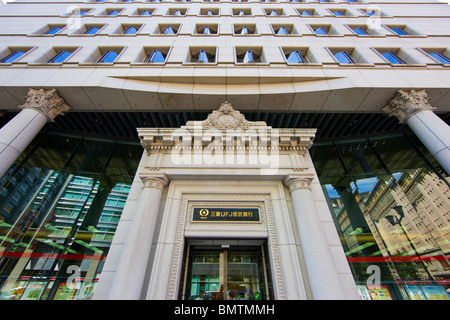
(226, 274)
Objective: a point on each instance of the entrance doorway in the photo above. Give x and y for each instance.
(226, 273)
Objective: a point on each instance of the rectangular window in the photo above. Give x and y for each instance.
(321, 30)
(392, 58)
(92, 30)
(343, 57)
(360, 31)
(13, 56)
(203, 57)
(60, 56)
(108, 57)
(295, 57)
(305, 13)
(130, 30)
(156, 57)
(338, 13)
(400, 31)
(113, 13)
(282, 30)
(440, 57)
(53, 30)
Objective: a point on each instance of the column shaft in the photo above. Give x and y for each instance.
(17, 134)
(434, 134)
(133, 265)
(322, 274)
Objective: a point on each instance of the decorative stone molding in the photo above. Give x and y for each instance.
(226, 129)
(225, 118)
(294, 182)
(47, 102)
(405, 104)
(155, 181)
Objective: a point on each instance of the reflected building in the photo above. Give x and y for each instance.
(224, 150)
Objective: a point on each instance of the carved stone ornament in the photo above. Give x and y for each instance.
(47, 102)
(294, 182)
(226, 117)
(405, 104)
(155, 181)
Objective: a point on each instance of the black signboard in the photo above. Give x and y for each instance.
(226, 214)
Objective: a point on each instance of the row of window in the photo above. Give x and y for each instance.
(304, 12)
(238, 29)
(242, 55)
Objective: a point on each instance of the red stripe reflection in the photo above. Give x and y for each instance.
(398, 259)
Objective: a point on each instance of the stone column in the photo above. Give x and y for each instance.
(133, 265)
(40, 107)
(413, 109)
(320, 267)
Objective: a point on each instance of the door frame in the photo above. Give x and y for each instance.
(224, 247)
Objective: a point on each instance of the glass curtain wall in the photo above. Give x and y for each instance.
(390, 203)
(59, 208)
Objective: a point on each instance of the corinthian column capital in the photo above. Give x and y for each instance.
(405, 104)
(47, 102)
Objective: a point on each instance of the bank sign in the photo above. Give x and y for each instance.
(226, 214)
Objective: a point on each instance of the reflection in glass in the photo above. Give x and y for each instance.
(60, 205)
(391, 209)
(234, 274)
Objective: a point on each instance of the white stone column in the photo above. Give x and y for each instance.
(133, 264)
(413, 109)
(41, 107)
(320, 267)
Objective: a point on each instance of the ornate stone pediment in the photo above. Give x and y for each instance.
(226, 117)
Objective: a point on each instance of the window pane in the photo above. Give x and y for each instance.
(321, 30)
(53, 30)
(156, 56)
(306, 13)
(295, 57)
(338, 13)
(169, 30)
(206, 30)
(392, 58)
(130, 30)
(400, 31)
(92, 30)
(113, 13)
(344, 57)
(145, 13)
(390, 213)
(60, 56)
(108, 56)
(44, 198)
(439, 56)
(282, 30)
(13, 56)
(360, 31)
(248, 58)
